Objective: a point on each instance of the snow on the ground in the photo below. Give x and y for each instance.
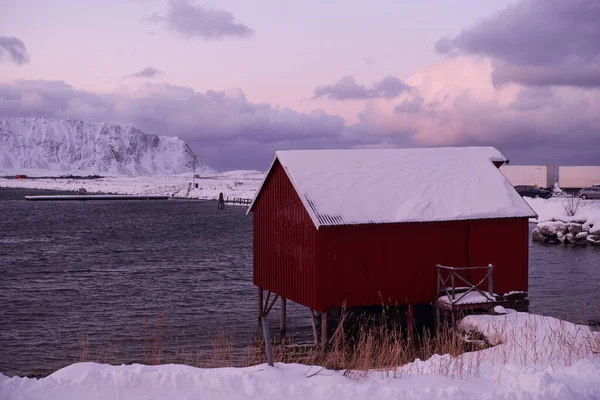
(555, 225)
(239, 184)
(554, 208)
(534, 340)
(535, 357)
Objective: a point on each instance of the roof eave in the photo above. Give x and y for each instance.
(311, 214)
(262, 184)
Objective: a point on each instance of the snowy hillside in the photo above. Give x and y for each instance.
(78, 147)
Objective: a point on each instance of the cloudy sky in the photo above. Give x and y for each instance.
(240, 79)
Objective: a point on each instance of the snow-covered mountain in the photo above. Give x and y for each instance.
(73, 146)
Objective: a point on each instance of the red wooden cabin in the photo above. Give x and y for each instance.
(367, 227)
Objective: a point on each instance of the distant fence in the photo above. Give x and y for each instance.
(166, 189)
(238, 200)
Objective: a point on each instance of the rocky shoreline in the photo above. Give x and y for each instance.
(572, 230)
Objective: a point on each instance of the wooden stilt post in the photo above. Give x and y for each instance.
(314, 326)
(268, 348)
(282, 319)
(410, 316)
(324, 330)
(260, 303)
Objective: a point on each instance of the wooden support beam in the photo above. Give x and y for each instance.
(268, 348)
(282, 318)
(264, 310)
(270, 306)
(260, 303)
(410, 321)
(314, 327)
(324, 330)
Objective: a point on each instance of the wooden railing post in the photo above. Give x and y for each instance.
(438, 281)
(491, 279)
(260, 303)
(453, 284)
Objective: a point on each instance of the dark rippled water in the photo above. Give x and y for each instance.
(108, 270)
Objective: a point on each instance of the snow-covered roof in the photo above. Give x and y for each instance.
(372, 186)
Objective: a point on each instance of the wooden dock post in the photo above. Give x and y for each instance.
(410, 322)
(267, 338)
(324, 330)
(260, 303)
(314, 327)
(282, 318)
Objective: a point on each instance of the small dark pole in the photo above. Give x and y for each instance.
(410, 316)
(221, 201)
(282, 320)
(260, 303)
(314, 327)
(268, 348)
(470, 260)
(324, 330)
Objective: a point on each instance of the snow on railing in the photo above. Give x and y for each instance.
(453, 273)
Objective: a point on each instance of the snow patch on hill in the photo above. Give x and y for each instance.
(43, 145)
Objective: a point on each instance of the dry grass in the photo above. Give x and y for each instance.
(380, 347)
(372, 346)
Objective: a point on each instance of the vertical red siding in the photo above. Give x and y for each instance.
(395, 263)
(284, 241)
(500, 242)
(373, 264)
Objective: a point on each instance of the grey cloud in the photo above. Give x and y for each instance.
(410, 106)
(147, 72)
(534, 98)
(224, 129)
(537, 43)
(585, 75)
(13, 49)
(193, 20)
(347, 89)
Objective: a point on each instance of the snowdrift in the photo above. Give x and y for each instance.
(535, 357)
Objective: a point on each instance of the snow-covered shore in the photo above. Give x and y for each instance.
(535, 357)
(554, 225)
(554, 207)
(239, 184)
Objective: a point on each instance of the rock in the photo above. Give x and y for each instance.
(581, 235)
(590, 239)
(537, 236)
(570, 237)
(594, 237)
(561, 237)
(552, 228)
(574, 228)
